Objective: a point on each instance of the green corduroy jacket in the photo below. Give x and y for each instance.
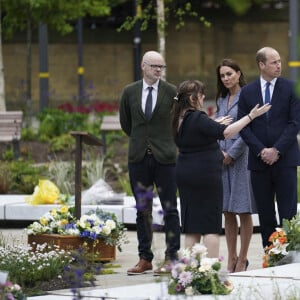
(157, 131)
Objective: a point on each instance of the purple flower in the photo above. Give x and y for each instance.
(185, 278)
(178, 287)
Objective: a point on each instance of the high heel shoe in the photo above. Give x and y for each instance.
(247, 264)
(234, 266)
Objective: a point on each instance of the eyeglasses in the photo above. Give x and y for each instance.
(156, 66)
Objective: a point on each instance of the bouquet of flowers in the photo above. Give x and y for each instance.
(93, 225)
(284, 241)
(11, 291)
(196, 274)
(46, 192)
(277, 250)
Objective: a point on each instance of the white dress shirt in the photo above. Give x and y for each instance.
(263, 84)
(145, 94)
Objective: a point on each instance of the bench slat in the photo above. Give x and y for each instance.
(10, 126)
(10, 115)
(111, 126)
(110, 123)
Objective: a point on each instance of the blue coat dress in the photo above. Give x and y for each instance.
(237, 190)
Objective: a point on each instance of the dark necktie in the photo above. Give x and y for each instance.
(267, 95)
(148, 107)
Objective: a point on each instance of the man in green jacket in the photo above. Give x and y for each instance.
(145, 116)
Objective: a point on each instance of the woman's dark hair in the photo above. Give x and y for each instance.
(222, 91)
(186, 98)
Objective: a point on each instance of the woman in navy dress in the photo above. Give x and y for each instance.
(238, 198)
(199, 164)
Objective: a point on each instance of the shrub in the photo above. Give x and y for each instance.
(5, 177)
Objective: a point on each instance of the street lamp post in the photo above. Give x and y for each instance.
(294, 63)
(80, 69)
(43, 74)
(137, 43)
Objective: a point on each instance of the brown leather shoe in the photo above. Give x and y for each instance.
(164, 269)
(142, 267)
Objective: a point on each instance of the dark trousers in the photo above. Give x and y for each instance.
(148, 173)
(272, 184)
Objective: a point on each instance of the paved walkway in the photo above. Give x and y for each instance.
(128, 257)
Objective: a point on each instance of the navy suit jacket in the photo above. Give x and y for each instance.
(278, 130)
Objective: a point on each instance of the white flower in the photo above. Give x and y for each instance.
(111, 224)
(189, 291)
(279, 248)
(72, 231)
(204, 268)
(106, 230)
(209, 261)
(184, 253)
(16, 287)
(199, 249)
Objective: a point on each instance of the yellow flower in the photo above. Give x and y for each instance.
(53, 212)
(43, 221)
(64, 209)
(63, 222)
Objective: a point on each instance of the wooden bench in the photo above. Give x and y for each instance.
(10, 129)
(109, 123)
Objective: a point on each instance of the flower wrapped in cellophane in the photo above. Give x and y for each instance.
(196, 274)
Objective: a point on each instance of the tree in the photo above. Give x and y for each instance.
(59, 15)
(161, 10)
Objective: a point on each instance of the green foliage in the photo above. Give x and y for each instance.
(57, 14)
(8, 154)
(94, 170)
(25, 176)
(28, 134)
(5, 177)
(292, 229)
(62, 143)
(148, 13)
(55, 122)
(240, 7)
(125, 184)
(28, 268)
(62, 173)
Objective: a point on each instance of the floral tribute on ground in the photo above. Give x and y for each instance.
(93, 225)
(11, 291)
(196, 274)
(285, 244)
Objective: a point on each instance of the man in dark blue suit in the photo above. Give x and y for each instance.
(272, 140)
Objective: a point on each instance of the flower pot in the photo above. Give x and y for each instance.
(102, 251)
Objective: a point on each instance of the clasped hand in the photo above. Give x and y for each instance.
(269, 155)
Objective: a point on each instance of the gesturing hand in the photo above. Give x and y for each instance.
(226, 120)
(257, 110)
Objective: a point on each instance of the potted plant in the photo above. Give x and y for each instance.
(98, 230)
